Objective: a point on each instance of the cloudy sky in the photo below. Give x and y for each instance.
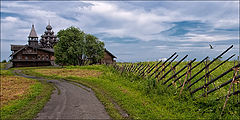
(132, 31)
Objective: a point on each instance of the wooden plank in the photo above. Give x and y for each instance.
(220, 86)
(190, 70)
(215, 79)
(179, 71)
(173, 67)
(210, 71)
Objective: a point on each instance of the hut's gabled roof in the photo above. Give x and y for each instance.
(110, 53)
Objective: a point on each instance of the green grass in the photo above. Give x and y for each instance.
(28, 106)
(2, 65)
(147, 99)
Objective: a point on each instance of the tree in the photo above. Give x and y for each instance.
(4, 61)
(70, 47)
(74, 45)
(60, 54)
(94, 48)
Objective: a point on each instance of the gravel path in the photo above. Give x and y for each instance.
(72, 102)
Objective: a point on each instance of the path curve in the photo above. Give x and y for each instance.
(73, 102)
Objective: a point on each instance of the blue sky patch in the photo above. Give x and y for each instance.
(184, 27)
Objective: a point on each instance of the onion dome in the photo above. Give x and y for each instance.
(49, 27)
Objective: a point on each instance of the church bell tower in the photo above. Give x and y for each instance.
(33, 38)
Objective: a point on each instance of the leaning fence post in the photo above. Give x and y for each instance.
(190, 71)
(206, 71)
(233, 84)
(229, 90)
(186, 76)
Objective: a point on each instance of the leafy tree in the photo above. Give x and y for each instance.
(94, 48)
(75, 46)
(4, 61)
(60, 54)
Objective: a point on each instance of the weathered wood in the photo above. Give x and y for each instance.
(173, 67)
(137, 69)
(166, 66)
(190, 70)
(131, 67)
(162, 64)
(154, 66)
(208, 65)
(125, 69)
(234, 93)
(142, 68)
(213, 80)
(179, 71)
(210, 71)
(184, 82)
(128, 67)
(134, 66)
(229, 91)
(151, 67)
(220, 86)
(142, 73)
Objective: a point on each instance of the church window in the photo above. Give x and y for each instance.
(42, 57)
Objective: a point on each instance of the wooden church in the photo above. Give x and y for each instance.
(41, 53)
(35, 53)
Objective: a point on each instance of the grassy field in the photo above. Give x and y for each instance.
(213, 74)
(22, 98)
(144, 98)
(2, 65)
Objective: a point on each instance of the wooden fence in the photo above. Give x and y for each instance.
(160, 70)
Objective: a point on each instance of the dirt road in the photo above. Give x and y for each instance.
(69, 101)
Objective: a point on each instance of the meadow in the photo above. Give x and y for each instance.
(22, 98)
(144, 98)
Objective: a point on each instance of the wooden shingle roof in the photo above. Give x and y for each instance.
(110, 53)
(33, 33)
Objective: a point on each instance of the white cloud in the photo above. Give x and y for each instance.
(207, 38)
(136, 23)
(162, 47)
(10, 19)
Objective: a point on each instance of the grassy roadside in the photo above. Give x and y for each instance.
(143, 98)
(31, 96)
